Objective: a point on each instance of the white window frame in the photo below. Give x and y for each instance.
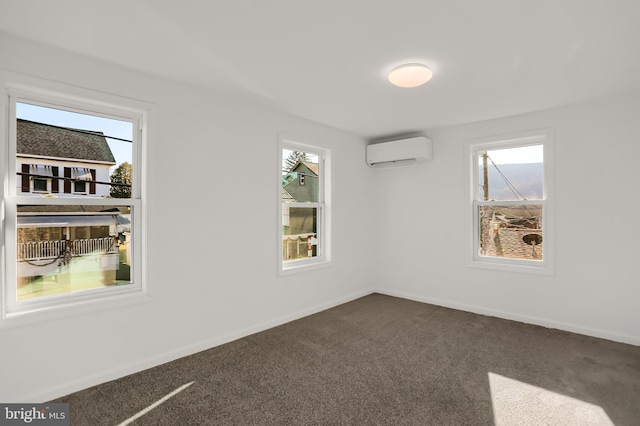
(59, 96)
(323, 206)
(545, 266)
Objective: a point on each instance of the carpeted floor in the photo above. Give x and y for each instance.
(381, 360)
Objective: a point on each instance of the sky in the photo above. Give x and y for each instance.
(524, 154)
(122, 151)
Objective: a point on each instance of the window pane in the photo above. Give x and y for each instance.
(300, 176)
(81, 153)
(40, 185)
(511, 231)
(66, 249)
(511, 174)
(299, 232)
(80, 186)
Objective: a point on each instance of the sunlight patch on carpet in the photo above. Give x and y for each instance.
(516, 403)
(155, 404)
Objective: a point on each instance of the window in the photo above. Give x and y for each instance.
(303, 201)
(36, 178)
(81, 176)
(80, 187)
(68, 238)
(510, 206)
(40, 185)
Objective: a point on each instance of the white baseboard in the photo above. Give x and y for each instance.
(574, 328)
(150, 362)
(104, 376)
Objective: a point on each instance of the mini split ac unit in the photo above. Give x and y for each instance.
(399, 152)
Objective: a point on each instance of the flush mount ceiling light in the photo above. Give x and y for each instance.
(410, 75)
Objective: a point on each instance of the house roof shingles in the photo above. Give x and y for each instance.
(286, 197)
(313, 167)
(58, 142)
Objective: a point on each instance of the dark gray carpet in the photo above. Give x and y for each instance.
(382, 360)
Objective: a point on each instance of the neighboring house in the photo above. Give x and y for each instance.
(302, 182)
(52, 240)
(286, 197)
(53, 160)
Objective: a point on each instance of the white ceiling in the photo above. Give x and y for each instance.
(327, 60)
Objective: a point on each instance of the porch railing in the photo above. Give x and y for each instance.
(36, 250)
(294, 246)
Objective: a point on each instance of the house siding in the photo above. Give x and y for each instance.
(307, 192)
(101, 175)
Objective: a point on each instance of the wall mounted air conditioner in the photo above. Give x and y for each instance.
(399, 152)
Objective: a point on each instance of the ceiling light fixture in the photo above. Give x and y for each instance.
(410, 75)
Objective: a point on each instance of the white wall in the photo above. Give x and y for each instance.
(595, 288)
(212, 246)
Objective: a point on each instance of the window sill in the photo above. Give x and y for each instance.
(72, 307)
(298, 266)
(509, 265)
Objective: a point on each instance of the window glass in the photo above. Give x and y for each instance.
(301, 175)
(66, 249)
(299, 232)
(302, 202)
(511, 231)
(511, 173)
(79, 151)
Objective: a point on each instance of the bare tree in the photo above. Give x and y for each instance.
(121, 175)
(294, 157)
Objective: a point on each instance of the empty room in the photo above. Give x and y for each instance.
(337, 212)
